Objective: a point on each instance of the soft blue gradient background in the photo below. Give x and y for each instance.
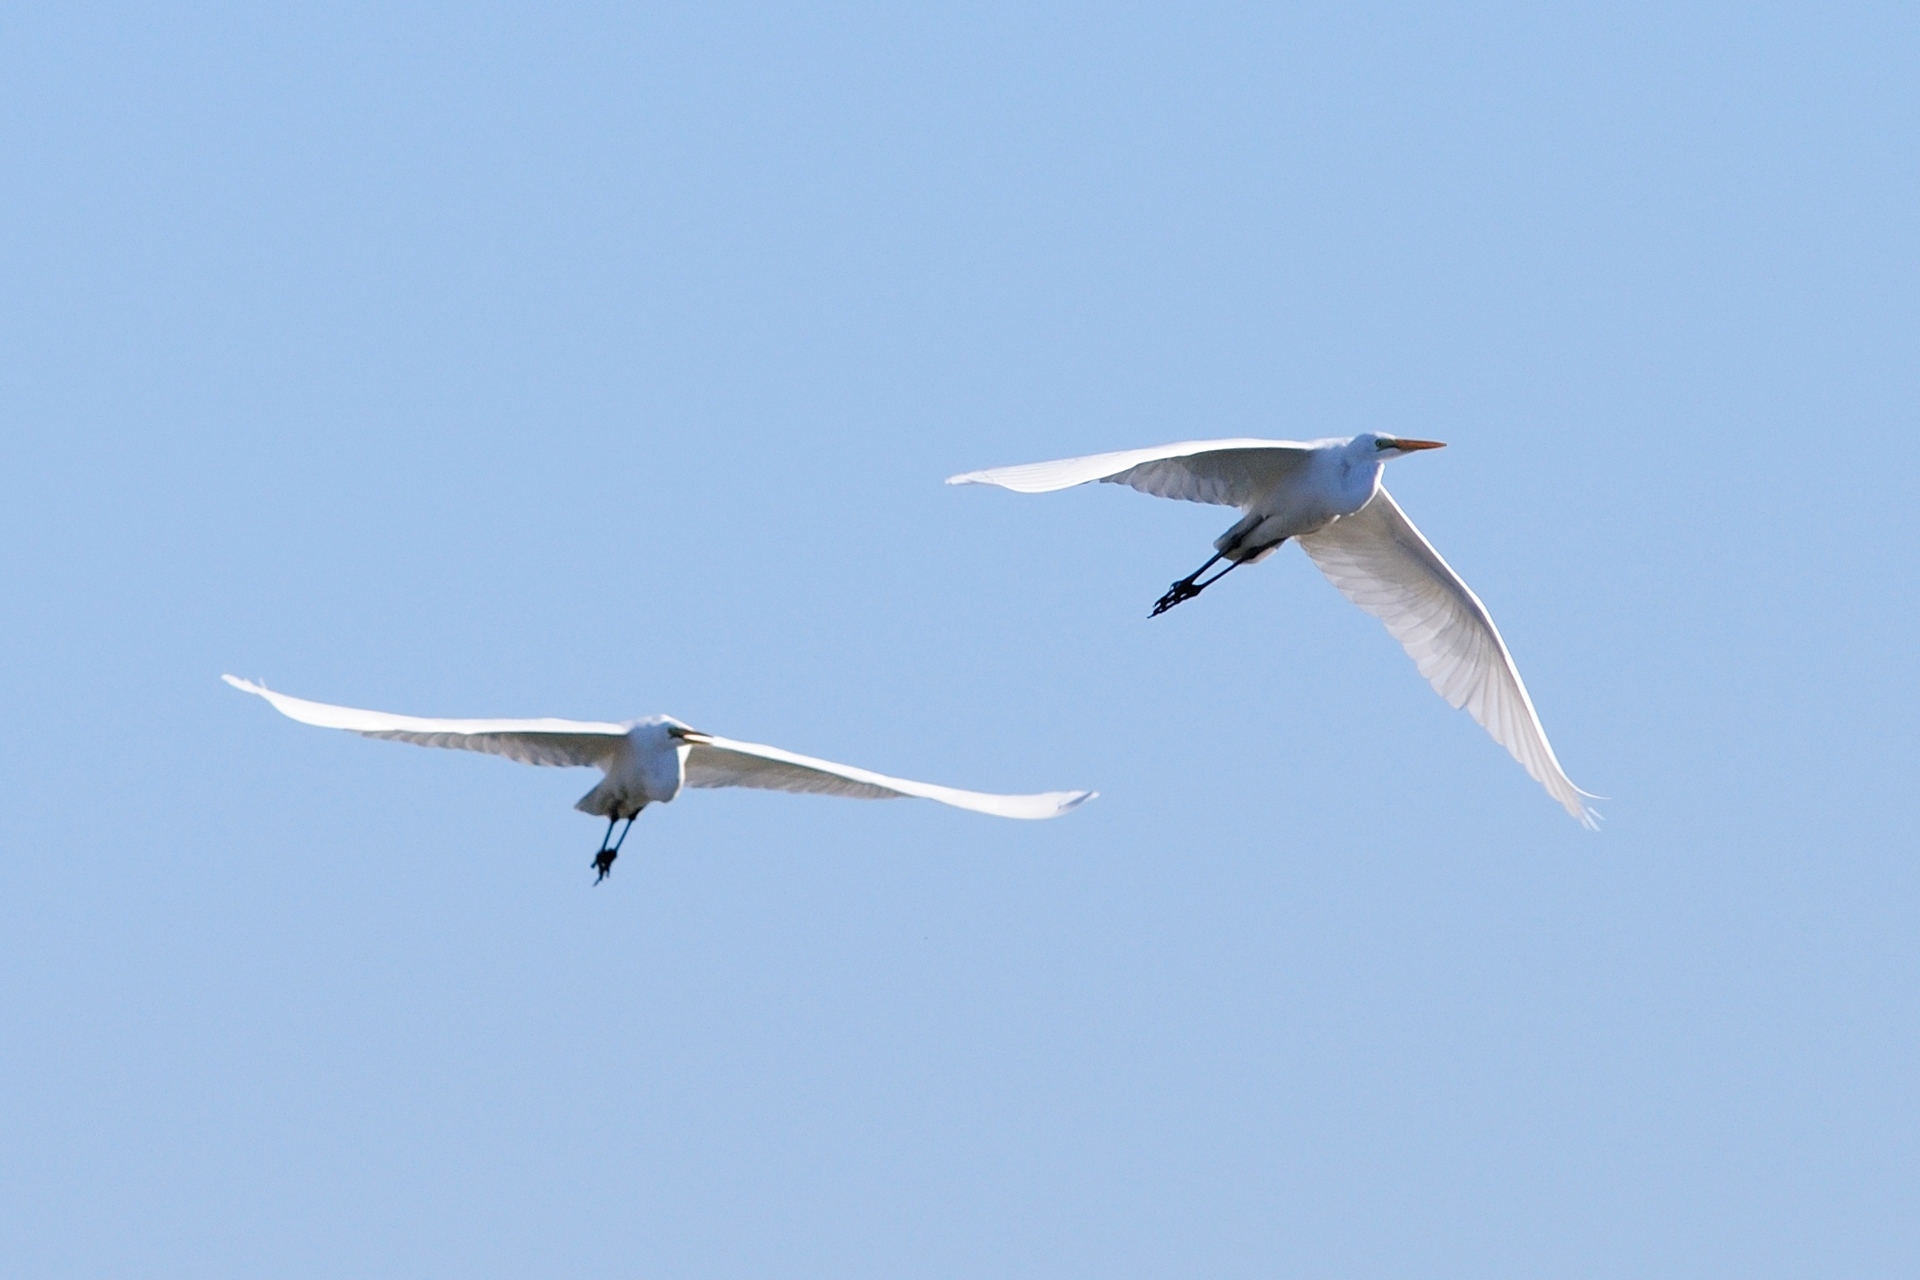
(492, 360)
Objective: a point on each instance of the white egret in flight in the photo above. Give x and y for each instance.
(647, 761)
(1327, 495)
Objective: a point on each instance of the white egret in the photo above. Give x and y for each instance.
(647, 761)
(1327, 494)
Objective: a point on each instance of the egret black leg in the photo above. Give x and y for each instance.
(1183, 589)
(1190, 586)
(603, 860)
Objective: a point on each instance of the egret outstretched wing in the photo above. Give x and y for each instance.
(1380, 561)
(1226, 473)
(723, 762)
(546, 742)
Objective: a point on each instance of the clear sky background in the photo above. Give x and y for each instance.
(599, 361)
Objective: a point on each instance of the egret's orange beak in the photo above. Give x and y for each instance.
(693, 736)
(1411, 445)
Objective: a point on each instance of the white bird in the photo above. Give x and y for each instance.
(1328, 495)
(647, 761)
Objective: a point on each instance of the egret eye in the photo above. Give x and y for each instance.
(1383, 443)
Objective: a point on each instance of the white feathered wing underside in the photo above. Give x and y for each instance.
(1227, 473)
(724, 762)
(1381, 563)
(543, 742)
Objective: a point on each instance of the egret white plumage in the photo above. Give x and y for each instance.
(648, 761)
(1327, 495)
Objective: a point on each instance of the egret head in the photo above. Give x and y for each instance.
(1385, 447)
(666, 730)
(685, 735)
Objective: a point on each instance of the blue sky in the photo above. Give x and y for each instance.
(517, 360)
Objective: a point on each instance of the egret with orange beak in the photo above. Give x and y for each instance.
(648, 761)
(1327, 495)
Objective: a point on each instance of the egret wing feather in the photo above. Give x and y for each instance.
(1381, 562)
(1227, 477)
(1228, 473)
(542, 742)
(723, 762)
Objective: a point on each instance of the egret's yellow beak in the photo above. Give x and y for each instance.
(692, 736)
(1411, 445)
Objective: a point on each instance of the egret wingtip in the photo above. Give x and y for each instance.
(1585, 814)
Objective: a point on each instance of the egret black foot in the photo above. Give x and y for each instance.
(1182, 590)
(603, 863)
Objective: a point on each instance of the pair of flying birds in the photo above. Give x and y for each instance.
(1324, 494)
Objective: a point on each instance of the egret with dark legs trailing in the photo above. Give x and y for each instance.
(1326, 495)
(648, 761)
